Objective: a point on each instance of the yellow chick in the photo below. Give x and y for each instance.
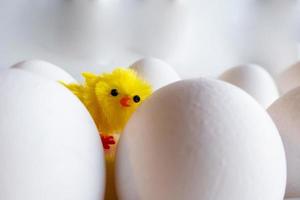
(111, 98)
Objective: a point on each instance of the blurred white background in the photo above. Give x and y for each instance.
(197, 37)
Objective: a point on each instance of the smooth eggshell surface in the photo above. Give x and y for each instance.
(286, 115)
(289, 79)
(155, 71)
(255, 80)
(46, 70)
(49, 145)
(200, 139)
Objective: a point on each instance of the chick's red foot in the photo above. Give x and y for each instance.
(107, 141)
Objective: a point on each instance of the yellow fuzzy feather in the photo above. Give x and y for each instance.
(108, 112)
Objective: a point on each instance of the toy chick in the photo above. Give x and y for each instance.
(111, 98)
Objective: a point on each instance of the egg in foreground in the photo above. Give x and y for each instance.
(49, 144)
(200, 139)
(285, 112)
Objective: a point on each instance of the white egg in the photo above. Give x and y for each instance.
(289, 79)
(200, 139)
(46, 70)
(286, 115)
(155, 71)
(255, 80)
(49, 145)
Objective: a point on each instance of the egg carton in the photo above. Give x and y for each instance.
(196, 131)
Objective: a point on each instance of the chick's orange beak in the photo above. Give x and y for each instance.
(125, 102)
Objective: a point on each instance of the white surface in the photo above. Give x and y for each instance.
(255, 80)
(289, 79)
(49, 145)
(157, 72)
(197, 37)
(286, 115)
(46, 70)
(200, 139)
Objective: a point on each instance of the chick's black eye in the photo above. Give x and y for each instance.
(136, 98)
(114, 92)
